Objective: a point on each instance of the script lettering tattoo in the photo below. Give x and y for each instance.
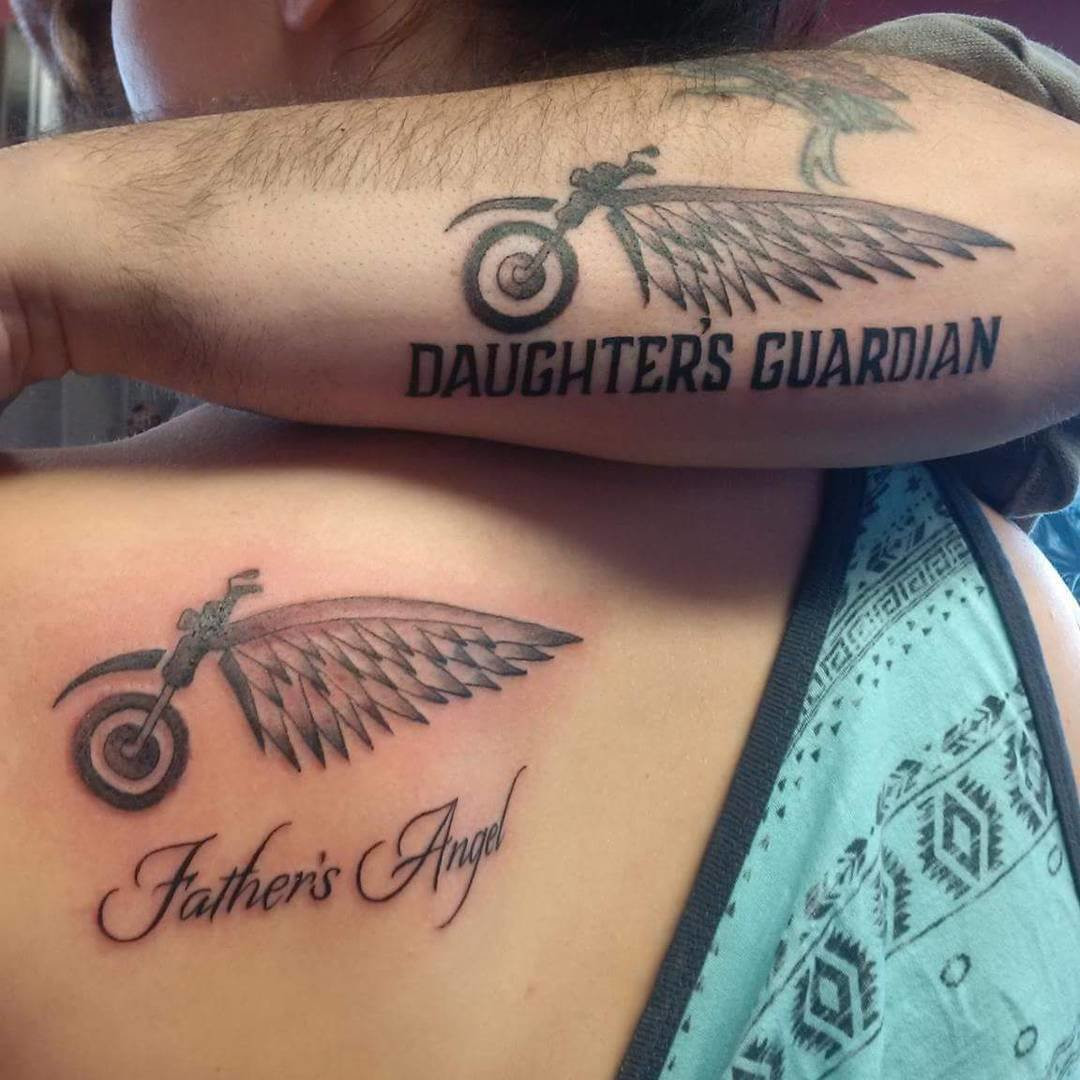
(701, 247)
(313, 670)
(835, 93)
(437, 848)
(170, 883)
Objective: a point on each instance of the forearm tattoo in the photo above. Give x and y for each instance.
(705, 249)
(710, 252)
(312, 671)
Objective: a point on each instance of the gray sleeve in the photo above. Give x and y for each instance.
(985, 49)
(1041, 473)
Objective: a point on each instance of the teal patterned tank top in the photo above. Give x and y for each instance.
(893, 886)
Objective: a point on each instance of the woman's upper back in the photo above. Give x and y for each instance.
(677, 584)
(405, 839)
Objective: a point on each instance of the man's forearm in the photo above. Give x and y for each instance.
(807, 259)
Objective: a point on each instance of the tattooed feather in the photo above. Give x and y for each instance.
(316, 671)
(700, 246)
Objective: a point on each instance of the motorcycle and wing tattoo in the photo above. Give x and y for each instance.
(314, 671)
(700, 246)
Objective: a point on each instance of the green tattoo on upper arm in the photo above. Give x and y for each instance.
(834, 92)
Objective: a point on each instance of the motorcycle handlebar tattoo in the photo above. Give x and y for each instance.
(131, 747)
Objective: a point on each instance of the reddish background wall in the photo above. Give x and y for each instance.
(1054, 22)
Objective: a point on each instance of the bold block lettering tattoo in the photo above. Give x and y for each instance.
(313, 670)
(834, 92)
(171, 883)
(700, 246)
(706, 363)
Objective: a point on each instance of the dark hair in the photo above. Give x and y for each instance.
(557, 36)
(629, 32)
(74, 39)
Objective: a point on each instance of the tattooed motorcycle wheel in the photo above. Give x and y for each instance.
(125, 780)
(519, 275)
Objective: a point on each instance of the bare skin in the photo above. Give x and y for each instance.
(679, 583)
(625, 773)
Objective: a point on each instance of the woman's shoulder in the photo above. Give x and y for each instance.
(1056, 618)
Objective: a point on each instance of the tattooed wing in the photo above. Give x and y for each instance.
(702, 246)
(320, 669)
